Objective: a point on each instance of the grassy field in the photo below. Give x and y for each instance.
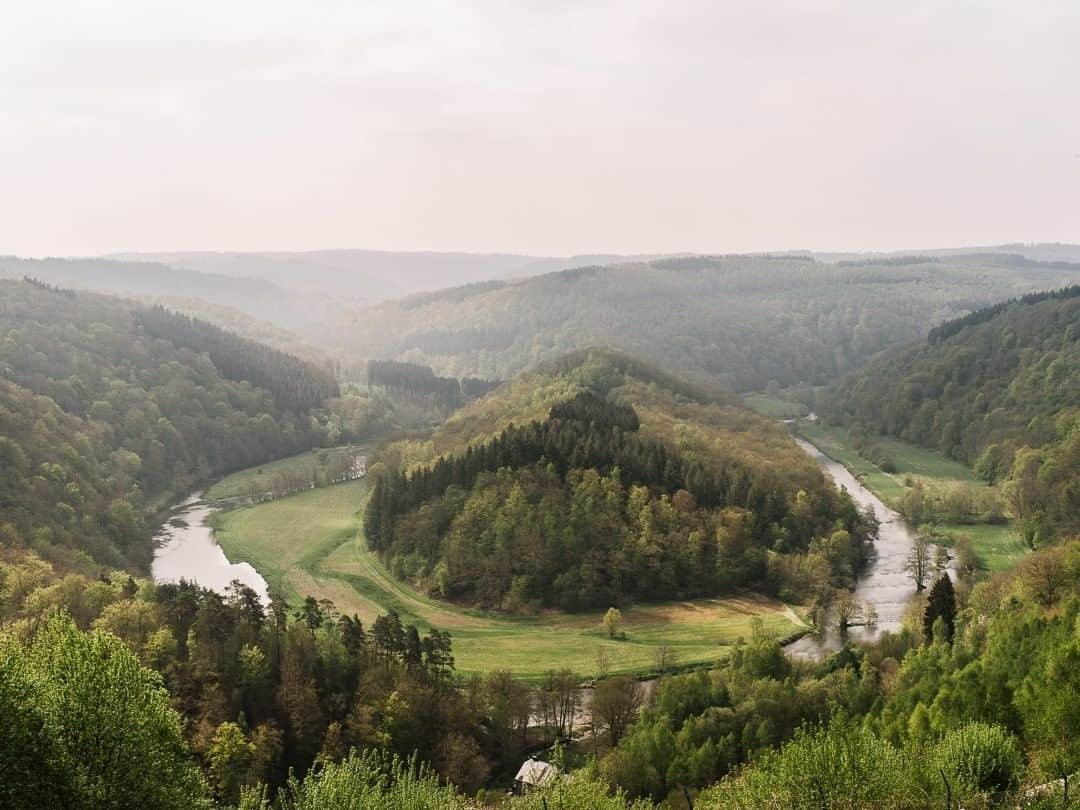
(774, 407)
(260, 478)
(313, 544)
(998, 547)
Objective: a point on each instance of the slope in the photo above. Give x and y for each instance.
(742, 320)
(597, 480)
(107, 410)
(998, 390)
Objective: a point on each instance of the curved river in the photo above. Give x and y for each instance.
(186, 549)
(885, 583)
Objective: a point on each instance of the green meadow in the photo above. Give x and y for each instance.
(313, 544)
(261, 478)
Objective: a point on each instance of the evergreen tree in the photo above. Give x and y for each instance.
(941, 603)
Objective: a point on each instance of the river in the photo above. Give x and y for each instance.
(885, 583)
(186, 549)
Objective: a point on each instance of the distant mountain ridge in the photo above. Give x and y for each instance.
(369, 276)
(256, 298)
(744, 320)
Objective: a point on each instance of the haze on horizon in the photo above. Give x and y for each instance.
(536, 127)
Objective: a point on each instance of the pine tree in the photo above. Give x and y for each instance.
(941, 603)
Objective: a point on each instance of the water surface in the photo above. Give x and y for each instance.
(186, 549)
(884, 583)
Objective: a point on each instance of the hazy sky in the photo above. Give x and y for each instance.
(541, 127)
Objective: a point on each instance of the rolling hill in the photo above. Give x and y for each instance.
(745, 321)
(369, 276)
(258, 300)
(107, 410)
(999, 390)
(597, 479)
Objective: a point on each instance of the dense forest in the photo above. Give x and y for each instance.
(583, 509)
(415, 381)
(106, 411)
(744, 321)
(294, 384)
(118, 693)
(999, 390)
(592, 480)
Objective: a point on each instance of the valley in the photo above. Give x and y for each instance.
(997, 546)
(313, 544)
(432, 567)
(539, 406)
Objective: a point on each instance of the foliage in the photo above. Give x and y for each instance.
(1008, 680)
(742, 320)
(612, 620)
(941, 604)
(983, 758)
(100, 419)
(998, 391)
(594, 505)
(838, 765)
(370, 779)
(105, 720)
(295, 385)
(419, 382)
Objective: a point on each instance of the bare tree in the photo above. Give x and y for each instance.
(557, 701)
(847, 609)
(603, 662)
(918, 561)
(615, 706)
(664, 658)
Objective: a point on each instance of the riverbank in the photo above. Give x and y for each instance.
(997, 546)
(312, 544)
(187, 550)
(884, 583)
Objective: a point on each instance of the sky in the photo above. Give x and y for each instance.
(549, 128)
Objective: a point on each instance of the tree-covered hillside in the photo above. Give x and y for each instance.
(152, 281)
(999, 390)
(742, 320)
(595, 480)
(105, 410)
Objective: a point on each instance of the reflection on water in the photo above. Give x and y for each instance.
(186, 549)
(885, 582)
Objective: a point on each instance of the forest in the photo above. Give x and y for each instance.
(420, 382)
(998, 390)
(115, 692)
(578, 512)
(593, 480)
(108, 411)
(744, 321)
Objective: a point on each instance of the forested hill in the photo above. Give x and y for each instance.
(740, 320)
(204, 291)
(594, 480)
(106, 410)
(998, 390)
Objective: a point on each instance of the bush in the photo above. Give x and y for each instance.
(981, 757)
(841, 765)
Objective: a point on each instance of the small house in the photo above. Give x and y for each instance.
(534, 773)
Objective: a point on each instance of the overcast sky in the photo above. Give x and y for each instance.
(541, 127)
